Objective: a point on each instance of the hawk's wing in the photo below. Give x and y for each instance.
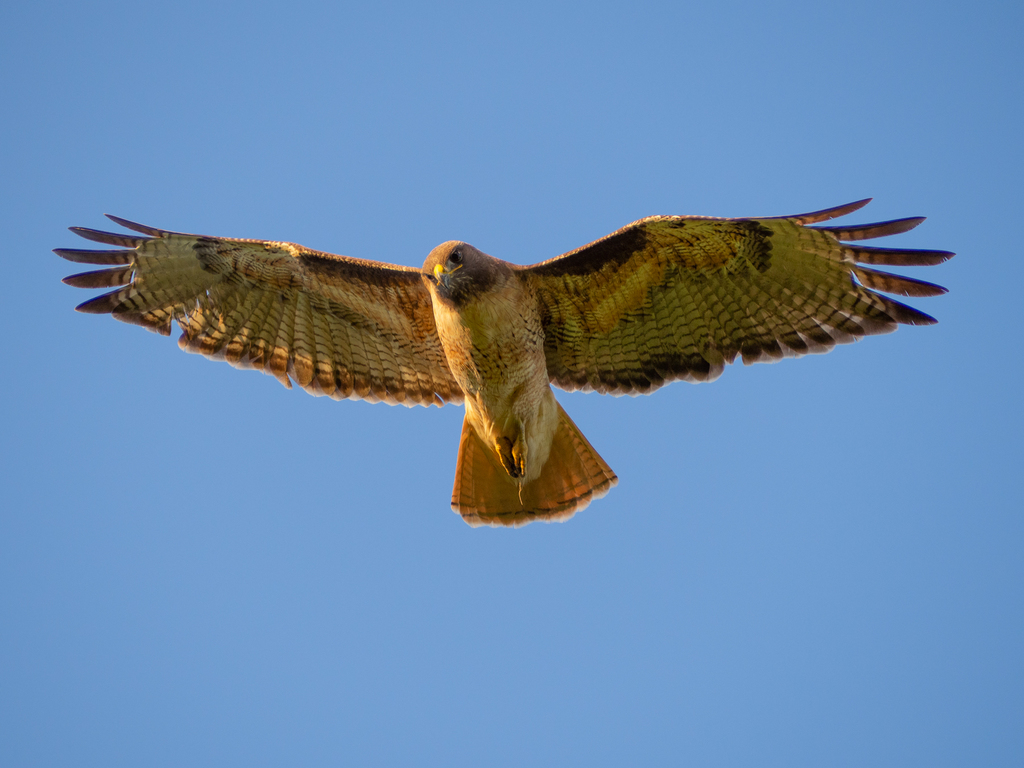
(340, 327)
(678, 297)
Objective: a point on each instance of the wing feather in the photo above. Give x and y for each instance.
(892, 257)
(680, 297)
(136, 227)
(100, 278)
(905, 286)
(871, 231)
(86, 256)
(808, 218)
(109, 238)
(337, 326)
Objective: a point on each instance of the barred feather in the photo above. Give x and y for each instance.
(102, 278)
(905, 286)
(825, 214)
(262, 305)
(896, 258)
(136, 227)
(109, 238)
(85, 256)
(870, 231)
(680, 297)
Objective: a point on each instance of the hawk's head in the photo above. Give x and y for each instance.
(457, 271)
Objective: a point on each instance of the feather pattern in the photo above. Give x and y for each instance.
(337, 326)
(680, 297)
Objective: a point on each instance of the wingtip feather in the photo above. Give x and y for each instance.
(136, 227)
(870, 231)
(86, 256)
(101, 278)
(109, 238)
(100, 305)
(828, 213)
(894, 257)
(903, 314)
(898, 284)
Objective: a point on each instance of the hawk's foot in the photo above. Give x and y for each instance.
(511, 456)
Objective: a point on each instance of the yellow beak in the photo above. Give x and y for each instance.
(440, 271)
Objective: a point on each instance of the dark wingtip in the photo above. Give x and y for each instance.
(135, 226)
(826, 213)
(840, 210)
(890, 283)
(101, 278)
(84, 256)
(100, 305)
(870, 231)
(109, 238)
(895, 257)
(905, 315)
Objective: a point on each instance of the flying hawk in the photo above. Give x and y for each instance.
(664, 298)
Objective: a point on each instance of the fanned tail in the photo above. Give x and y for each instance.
(573, 476)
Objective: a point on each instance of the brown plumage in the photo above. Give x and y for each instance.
(664, 298)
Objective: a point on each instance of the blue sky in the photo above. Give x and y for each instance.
(812, 563)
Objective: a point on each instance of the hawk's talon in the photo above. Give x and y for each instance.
(507, 455)
(519, 458)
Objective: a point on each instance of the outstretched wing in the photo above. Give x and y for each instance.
(340, 327)
(679, 297)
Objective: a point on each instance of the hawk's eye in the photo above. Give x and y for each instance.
(455, 258)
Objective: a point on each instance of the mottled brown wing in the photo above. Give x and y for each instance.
(679, 297)
(340, 327)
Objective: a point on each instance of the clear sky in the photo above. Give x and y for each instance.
(812, 563)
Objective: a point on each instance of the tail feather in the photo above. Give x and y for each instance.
(573, 476)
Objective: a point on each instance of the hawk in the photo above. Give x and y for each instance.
(662, 299)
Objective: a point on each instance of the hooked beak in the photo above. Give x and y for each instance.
(441, 274)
